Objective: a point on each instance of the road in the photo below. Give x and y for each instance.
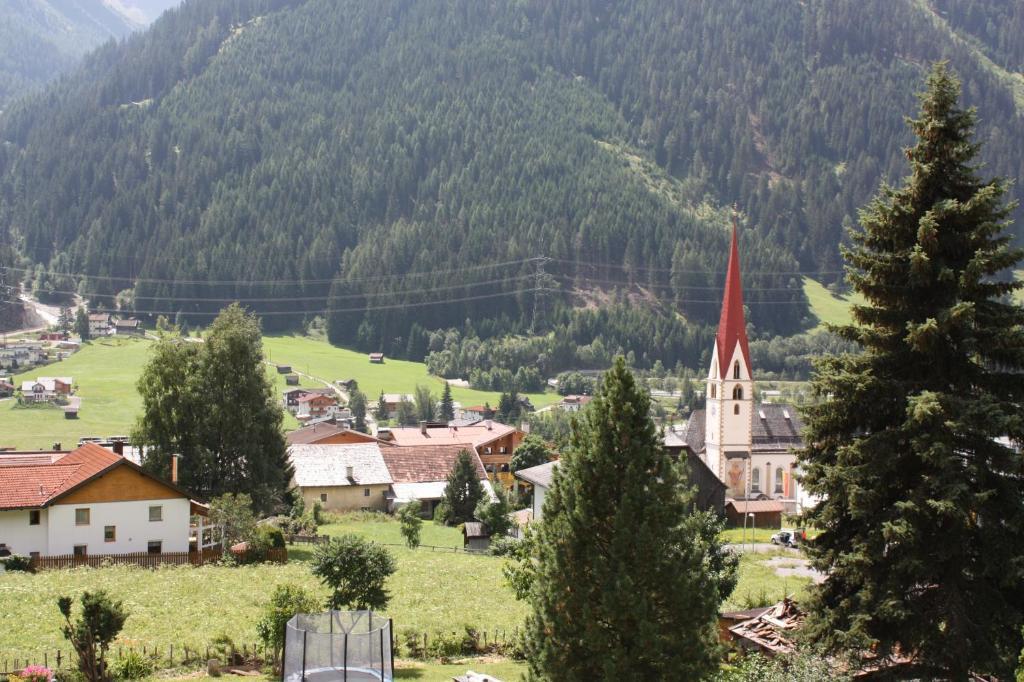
(41, 316)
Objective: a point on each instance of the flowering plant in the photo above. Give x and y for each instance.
(37, 673)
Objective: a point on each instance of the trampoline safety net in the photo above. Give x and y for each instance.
(350, 646)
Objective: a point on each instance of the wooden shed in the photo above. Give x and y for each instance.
(475, 536)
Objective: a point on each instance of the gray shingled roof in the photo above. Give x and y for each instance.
(772, 433)
(539, 475)
(327, 465)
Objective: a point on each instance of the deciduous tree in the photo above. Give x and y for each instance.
(355, 570)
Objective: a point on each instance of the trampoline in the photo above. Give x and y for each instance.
(345, 646)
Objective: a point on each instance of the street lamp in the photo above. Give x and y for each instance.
(753, 530)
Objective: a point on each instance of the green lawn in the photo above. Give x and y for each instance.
(104, 373)
(507, 671)
(431, 591)
(322, 360)
(826, 307)
(759, 585)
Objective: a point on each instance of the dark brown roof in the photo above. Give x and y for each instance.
(316, 432)
(756, 506)
(776, 427)
(423, 463)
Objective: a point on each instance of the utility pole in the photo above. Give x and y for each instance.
(543, 284)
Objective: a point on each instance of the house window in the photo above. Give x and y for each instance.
(755, 481)
(82, 517)
(109, 533)
(33, 555)
(156, 513)
(736, 370)
(81, 550)
(487, 451)
(323, 497)
(735, 409)
(366, 492)
(33, 517)
(778, 480)
(155, 547)
(737, 393)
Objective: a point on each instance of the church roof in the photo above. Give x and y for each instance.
(732, 327)
(776, 428)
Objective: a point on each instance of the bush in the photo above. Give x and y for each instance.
(133, 666)
(355, 570)
(409, 516)
(271, 536)
(285, 602)
(504, 545)
(34, 673)
(16, 562)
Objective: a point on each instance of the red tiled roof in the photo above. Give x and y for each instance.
(732, 327)
(310, 397)
(478, 434)
(37, 485)
(423, 463)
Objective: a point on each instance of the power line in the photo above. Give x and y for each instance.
(338, 310)
(327, 297)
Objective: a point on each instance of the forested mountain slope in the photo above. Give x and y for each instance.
(327, 151)
(40, 39)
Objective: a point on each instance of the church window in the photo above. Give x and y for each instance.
(755, 481)
(713, 392)
(736, 370)
(737, 393)
(778, 480)
(735, 409)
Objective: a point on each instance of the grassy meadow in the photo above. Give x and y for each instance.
(432, 590)
(106, 371)
(827, 308)
(324, 361)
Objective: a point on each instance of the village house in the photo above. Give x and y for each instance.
(6, 389)
(89, 501)
(99, 324)
(377, 358)
(45, 389)
(391, 401)
(420, 472)
(343, 477)
(313, 405)
(127, 327)
(493, 442)
(540, 478)
(324, 433)
(574, 403)
(21, 354)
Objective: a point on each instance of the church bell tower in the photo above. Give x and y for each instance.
(730, 388)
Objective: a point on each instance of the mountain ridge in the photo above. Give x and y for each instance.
(338, 142)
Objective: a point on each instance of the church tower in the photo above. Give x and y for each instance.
(730, 388)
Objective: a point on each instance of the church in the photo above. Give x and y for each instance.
(750, 446)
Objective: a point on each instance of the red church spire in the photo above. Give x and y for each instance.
(732, 326)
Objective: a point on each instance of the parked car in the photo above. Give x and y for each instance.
(786, 538)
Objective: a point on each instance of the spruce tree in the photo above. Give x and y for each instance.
(447, 404)
(463, 491)
(922, 499)
(629, 576)
(82, 324)
(382, 408)
(357, 403)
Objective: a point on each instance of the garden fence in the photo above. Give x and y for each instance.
(146, 560)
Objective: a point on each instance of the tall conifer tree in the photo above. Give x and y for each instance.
(922, 507)
(629, 576)
(447, 404)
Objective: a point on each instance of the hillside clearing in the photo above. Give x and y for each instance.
(826, 307)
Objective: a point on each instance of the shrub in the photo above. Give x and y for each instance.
(285, 602)
(133, 666)
(16, 562)
(91, 634)
(504, 545)
(355, 569)
(409, 516)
